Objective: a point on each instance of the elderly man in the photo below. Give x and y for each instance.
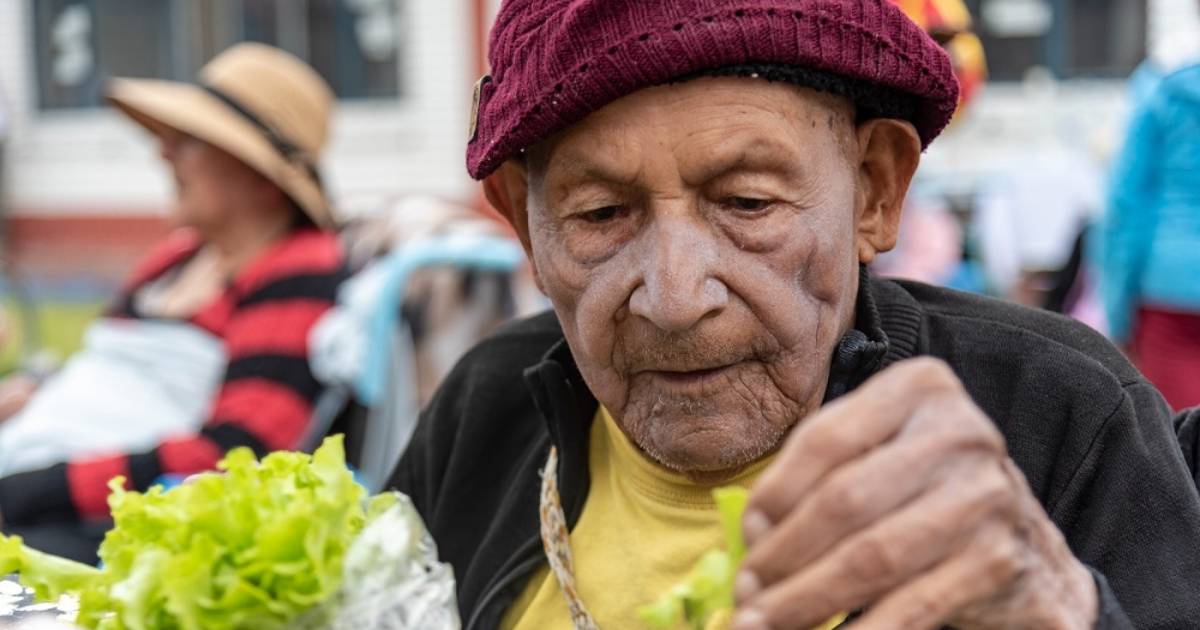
(699, 185)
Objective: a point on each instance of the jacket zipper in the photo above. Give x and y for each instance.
(504, 581)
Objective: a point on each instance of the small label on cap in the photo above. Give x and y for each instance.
(475, 106)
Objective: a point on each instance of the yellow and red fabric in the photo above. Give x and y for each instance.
(949, 21)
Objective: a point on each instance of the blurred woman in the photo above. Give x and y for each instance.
(205, 346)
(1149, 241)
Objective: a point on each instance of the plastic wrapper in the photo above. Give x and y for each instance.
(392, 580)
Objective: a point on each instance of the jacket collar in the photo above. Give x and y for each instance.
(861, 351)
(568, 406)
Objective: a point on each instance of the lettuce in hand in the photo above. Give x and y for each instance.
(709, 587)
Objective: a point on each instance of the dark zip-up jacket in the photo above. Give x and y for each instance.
(1093, 438)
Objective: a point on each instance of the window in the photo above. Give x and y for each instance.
(1072, 38)
(354, 44)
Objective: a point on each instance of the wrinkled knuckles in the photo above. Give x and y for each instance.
(876, 560)
(922, 609)
(843, 503)
(994, 492)
(1007, 561)
(772, 565)
(1005, 593)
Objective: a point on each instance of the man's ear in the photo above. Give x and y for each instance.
(507, 189)
(889, 151)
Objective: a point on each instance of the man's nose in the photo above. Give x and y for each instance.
(678, 286)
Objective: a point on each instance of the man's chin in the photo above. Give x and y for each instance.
(710, 456)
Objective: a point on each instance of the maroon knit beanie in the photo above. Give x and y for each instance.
(556, 61)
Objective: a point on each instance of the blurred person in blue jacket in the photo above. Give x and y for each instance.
(1148, 244)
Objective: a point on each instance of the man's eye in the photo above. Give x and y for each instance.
(747, 204)
(602, 215)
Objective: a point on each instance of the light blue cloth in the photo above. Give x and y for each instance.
(364, 344)
(348, 344)
(1147, 247)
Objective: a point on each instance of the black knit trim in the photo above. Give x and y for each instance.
(871, 100)
(861, 351)
(901, 318)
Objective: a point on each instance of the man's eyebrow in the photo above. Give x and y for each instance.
(576, 166)
(762, 155)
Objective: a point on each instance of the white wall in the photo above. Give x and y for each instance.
(1174, 27)
(1008, 122)
(95, 161)
(12, 57)
(13, 76)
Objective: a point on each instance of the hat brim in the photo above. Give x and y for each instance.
(157, 105)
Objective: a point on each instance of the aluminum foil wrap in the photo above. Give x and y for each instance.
(392, 580)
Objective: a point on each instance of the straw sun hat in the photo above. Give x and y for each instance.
(258, 103)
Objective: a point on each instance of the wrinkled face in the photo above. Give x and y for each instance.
(700, 243)
(209, 183)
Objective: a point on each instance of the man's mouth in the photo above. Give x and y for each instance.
(689, 377)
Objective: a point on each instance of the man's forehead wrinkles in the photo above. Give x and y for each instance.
(700, 158)
(760, 154)
(603, 157)
(578, 167)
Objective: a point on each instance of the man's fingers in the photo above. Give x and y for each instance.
(860, 492)
(933, 598)
(843, 431)
(882, 557)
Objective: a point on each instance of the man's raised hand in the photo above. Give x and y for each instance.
(900, 498)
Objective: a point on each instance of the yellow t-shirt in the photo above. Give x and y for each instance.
(642, 530)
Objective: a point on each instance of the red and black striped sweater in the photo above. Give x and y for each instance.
(264, 401)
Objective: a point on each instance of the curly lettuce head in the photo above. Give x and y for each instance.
(254, 547)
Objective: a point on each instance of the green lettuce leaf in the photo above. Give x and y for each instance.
(253, 547)
(709, 587)
(50, 576)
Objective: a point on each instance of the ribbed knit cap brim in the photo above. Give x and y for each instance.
(556, 61)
